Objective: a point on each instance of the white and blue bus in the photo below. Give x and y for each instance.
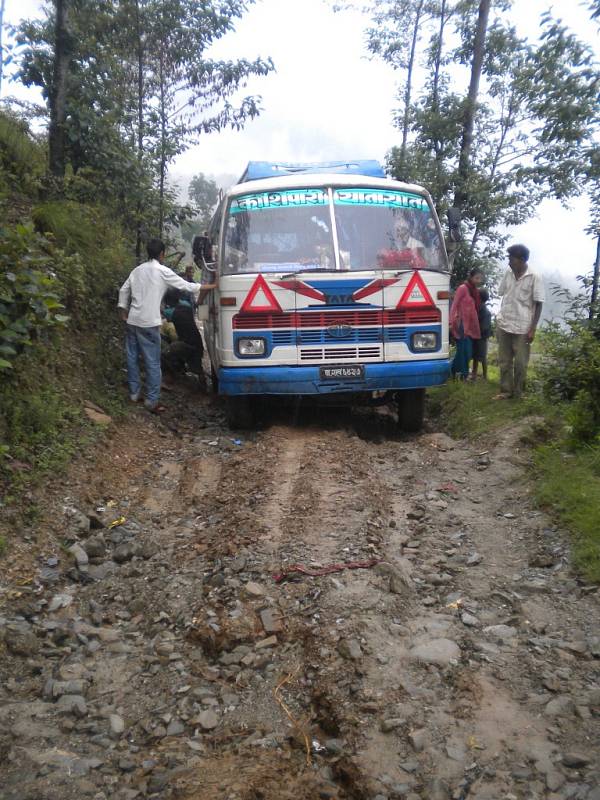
(332, 281)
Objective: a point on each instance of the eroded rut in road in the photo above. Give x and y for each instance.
(463, 664)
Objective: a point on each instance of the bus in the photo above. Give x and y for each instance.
(331, 281)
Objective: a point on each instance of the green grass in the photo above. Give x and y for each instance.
(470, 410)
(568, 485)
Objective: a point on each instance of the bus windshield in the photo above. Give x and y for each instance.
(283, 231)
(291, 230)
(386, 229)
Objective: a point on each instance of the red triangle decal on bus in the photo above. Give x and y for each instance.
(416, 294)
(260, 298)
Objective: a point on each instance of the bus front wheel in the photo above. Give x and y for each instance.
(239, 410)
(411, 409)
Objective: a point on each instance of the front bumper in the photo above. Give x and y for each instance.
(306, 381)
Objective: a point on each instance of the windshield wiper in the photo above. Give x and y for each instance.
(315, 269)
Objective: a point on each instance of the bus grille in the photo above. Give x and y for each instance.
(339, 353)
(325, 337)
(324, 318)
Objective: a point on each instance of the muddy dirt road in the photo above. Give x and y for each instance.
(157, 656)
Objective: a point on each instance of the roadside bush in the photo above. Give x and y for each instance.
(30, 293)
(61, 263)
(570, 372)
(95, 257)
(22, 159)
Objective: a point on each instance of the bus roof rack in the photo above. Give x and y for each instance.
(256, 170)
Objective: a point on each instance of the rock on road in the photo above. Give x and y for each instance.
(158, 657)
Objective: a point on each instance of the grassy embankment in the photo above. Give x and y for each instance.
(566, 480)
(57, 254)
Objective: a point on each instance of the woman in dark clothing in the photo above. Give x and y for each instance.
(464, 322)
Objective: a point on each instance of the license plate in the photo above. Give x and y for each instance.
(345, 372)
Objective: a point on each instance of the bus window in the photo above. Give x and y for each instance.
(282, 231)
(386, 229)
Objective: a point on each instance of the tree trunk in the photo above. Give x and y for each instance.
(163, 147)
(58, 92)
(507, 124)
(2, 3)
(408, 90)
(595, 285)
(140, 115)
(435, 91)
(435, 94)
(461, 195)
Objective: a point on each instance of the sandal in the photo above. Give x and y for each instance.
(157, 409)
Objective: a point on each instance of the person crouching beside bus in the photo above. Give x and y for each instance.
(140, 299)
(464, 322)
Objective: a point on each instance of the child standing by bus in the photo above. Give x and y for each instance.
(480, 346)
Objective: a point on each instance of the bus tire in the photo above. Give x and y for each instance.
(239, 411)
(411, 410)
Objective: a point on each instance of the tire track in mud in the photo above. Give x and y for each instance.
(450, 723)
(461, 547)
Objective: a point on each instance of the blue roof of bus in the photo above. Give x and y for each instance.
(256, 170)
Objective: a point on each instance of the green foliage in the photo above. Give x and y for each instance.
(203, 192)
(36, 421)
(568, 484)
(30, 294)
(571, 372)
(570, 369)
(535, 125)
(470, 410)
(141, 88)
(21, 158)
(94, 254)
(60, 268)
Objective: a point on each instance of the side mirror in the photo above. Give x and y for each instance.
(201, 247)
(454, 220)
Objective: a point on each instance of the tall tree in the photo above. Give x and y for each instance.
(204, 194)
(523, 129)
(594, 7)
(190, 93)
(594, 298)
(58, 89)
(2, 7)
(141, 88)
(394, 34)
(460, 195)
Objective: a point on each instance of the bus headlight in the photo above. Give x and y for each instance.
(251, 347)
(424, 341)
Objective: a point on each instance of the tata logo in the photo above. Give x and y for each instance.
(339, 331)
(339, 299)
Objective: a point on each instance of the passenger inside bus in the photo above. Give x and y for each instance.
(407, 252)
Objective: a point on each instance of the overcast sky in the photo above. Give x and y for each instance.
(328, 101)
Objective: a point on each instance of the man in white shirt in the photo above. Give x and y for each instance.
(403, 238)
(522, 293)
(140, 298)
